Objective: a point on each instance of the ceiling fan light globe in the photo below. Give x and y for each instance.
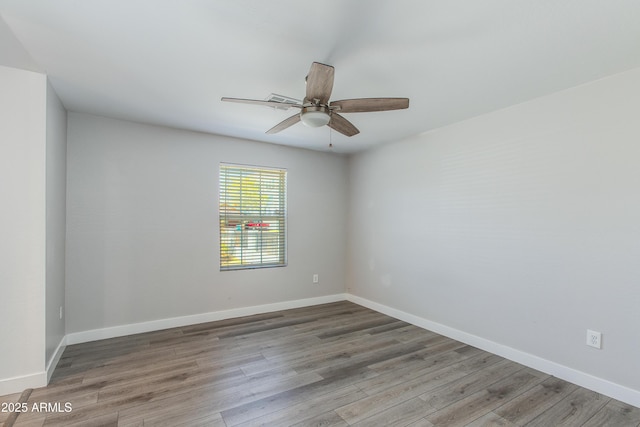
(314, 119)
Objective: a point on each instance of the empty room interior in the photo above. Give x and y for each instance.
(408, 213)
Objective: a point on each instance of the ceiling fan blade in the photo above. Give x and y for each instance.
(342, 125)
(363, 105)
(275, 104)
(319, 83)
(285, 124)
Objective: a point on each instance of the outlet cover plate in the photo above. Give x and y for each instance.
(594, 339)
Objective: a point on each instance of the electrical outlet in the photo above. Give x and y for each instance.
(60, 312)
(315, 278)
(594, 339)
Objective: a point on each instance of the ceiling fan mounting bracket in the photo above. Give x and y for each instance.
(311, 102)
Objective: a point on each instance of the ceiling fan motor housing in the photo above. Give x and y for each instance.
(315, 115)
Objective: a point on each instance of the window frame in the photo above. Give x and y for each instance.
(243, 219)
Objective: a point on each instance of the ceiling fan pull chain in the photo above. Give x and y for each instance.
(330, 141)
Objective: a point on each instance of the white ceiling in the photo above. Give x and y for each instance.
(169, 62)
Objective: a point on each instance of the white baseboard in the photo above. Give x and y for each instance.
(156, 325)
(38, 379)
(18, 384)
(599, 385)
(51, 366)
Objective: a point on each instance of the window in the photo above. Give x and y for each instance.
(253, 217)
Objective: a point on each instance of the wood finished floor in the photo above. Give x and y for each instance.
(329, 365)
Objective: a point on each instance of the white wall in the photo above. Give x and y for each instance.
(142, 224)
(56, 190)
(520, 227)
(22, 228)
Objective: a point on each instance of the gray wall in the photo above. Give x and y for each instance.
(56, 205)
(142, 224)
(520, 227)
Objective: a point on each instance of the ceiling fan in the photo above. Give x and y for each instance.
(316, 110)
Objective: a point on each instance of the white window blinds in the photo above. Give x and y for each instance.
(253, 217)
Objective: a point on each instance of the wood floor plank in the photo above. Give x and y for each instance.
(343, 367)
(332, 364)
(574, 410)
(214, 399)
(304, 360)
(492, 420)
(263, 328)
(401, 415)
(328, 419)
(615, 413)
(209, 421)
(430, 353)
(417, 368)
(34, 422)
(107, 420)
(248, 411)
(358, 327)
(127, 374)
(455, 391)
(307, 409)
(185, 417)
(534, 402)
(476, 405)
(411, 333)
(406, 390)
(422, 422)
